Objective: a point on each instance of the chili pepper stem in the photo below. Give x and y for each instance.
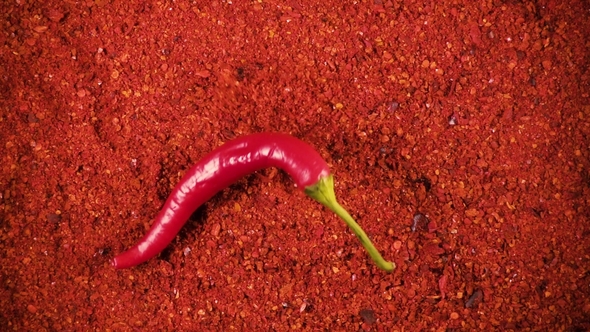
(323, 192)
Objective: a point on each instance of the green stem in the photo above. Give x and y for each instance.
(323, 192)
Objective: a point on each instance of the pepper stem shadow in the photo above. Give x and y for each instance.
(323, 192)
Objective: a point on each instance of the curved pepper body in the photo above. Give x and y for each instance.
(216, 171)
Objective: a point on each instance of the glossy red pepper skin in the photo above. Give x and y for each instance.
(217, 170)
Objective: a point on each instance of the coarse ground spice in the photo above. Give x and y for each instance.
(458, 132)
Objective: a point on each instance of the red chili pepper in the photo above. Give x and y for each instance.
(224, 166)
